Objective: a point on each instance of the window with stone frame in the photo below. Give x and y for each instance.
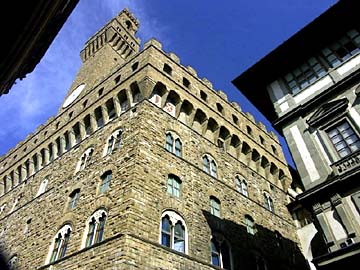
(95, 228)
(268, 202)
(85, 158)
(114, 142)
(342, 49)
(173, 144)
(105, 181)
(344, 139)
(60, 243)
(241, 186)
(220, 252)
(209, 165)
(174, 185)
(215, 208)
(250, 225)
(173, 232)
(73, 199)
(304, 75)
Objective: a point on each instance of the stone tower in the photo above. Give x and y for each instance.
(146, 166)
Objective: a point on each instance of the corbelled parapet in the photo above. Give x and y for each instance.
(130, 16)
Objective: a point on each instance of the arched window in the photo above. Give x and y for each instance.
(173, 144)
(209, 166)
(95, 228)
(215, 206)
(220, 252)
(206, 164)
(173, 232)
(114, 142)
(178, 147)
(174, 185)
(169, 142)
(73, 198)
(213, 168)
(241, 186)
(250, 225)
(105, 181)
(85, 158)
(42, 187)
(269, 202)
(60, 243)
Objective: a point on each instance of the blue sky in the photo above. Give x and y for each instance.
(219, 41)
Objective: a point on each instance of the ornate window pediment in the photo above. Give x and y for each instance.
(328, 111)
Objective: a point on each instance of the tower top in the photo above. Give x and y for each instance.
(128, 20)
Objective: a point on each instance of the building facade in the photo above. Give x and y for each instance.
(146, 166)
(310, 91)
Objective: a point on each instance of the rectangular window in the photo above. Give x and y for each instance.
(87, 124)
(344, 139)
(105, 181)
(304, 75)
(174, 185)
(67, 140)
(215, 207)
(342, 49)
(76, 129)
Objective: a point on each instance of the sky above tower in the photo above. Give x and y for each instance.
(219, 41)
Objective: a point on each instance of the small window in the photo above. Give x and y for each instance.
(117, 79)
(105, 181)
(203, 95)
(220, 108)
(135, 66)
(167, 69)
(85, 103)
(85, 158)
(220, 252)
(215, 206)
(249, 130)
(262, 140)
(76, 130)
(174, 185)
(60, 243)
(186, 82)
(73, 198)
(70, 116)
(114, 142)
(100, 91)
(173, 232)
(241, 186)
(344, 139)
(269, 203)
(250, 225)
(273, 148)
(95, 228)
(235, 120)
(173, 146)
(209, 166)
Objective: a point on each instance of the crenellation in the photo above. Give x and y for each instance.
(223, 95)
(207, 83)
(236, 106)
(174, 57)
(153, 42)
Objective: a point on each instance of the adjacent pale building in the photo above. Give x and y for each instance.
(309, 88)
